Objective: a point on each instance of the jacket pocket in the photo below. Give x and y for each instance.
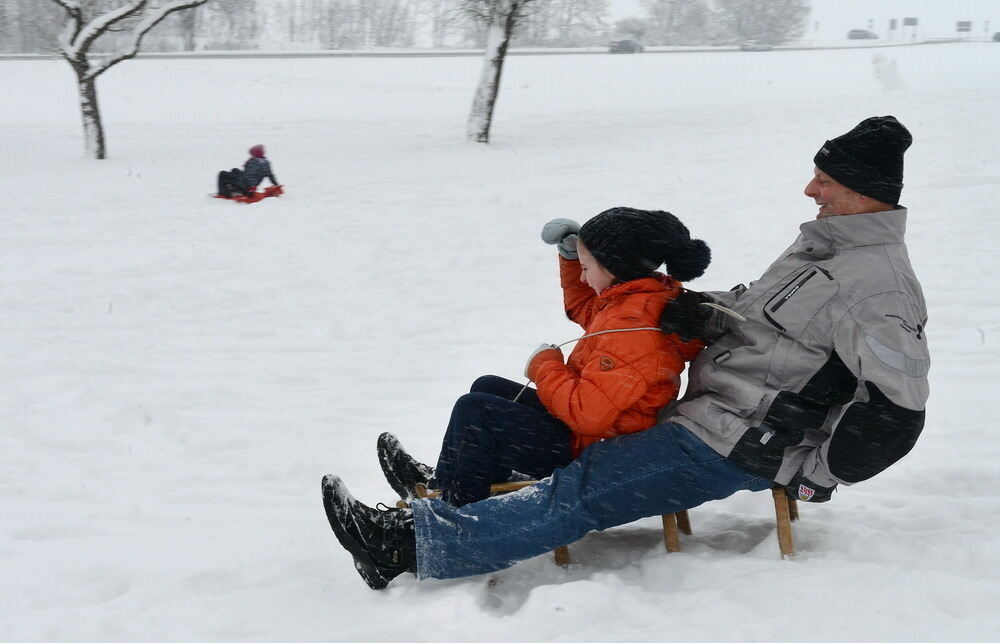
(796, 304)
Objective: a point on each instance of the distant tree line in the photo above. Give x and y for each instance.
(32, 26)
(717, 22)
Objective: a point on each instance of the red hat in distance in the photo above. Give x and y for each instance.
(257, 151)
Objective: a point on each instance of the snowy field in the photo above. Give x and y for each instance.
(179, 372)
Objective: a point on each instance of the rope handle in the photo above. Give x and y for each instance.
(728, 311)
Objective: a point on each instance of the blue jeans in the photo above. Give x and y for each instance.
(661, 470)
(489, 435)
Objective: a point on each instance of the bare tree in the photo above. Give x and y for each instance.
(27, 27)
(661, 18)
(678, 21)
(576, 20)
(770, 21)
(635, 27)
(695, 24)
(441, 16)
(500, 19)
(189, 28)
(86, 22)
(338, 24)
(232, 23)
(9, 17)
(388, 22)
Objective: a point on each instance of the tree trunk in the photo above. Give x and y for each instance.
(93, 129)
(189, 27)
(481, 116)
(84, 26)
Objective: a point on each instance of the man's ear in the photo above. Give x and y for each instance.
(874, 205)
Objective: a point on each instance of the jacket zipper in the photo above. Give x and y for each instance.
(789, 294)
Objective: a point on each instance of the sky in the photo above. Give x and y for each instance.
(935, 18)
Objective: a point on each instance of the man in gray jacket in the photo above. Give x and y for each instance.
(825, 382)
(815, 376)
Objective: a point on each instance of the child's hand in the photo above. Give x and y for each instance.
(543, 353)
(561, 233)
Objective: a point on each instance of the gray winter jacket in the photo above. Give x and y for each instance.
(826, 380)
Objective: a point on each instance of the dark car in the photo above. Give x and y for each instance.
(861, 34)
(625, 47)
(996, 37)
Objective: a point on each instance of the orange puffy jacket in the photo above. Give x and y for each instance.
(613, 383)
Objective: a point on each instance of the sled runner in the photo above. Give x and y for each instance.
(255, 195)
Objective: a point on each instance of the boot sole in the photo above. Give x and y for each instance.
(363, 562)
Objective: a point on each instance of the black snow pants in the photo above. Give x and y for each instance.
(233, 181)
(490, 435)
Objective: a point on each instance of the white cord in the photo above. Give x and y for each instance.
(729, 311)
(600, 332)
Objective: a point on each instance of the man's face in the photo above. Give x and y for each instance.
(835, 199)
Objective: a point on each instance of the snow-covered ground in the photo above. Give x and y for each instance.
(178, 372)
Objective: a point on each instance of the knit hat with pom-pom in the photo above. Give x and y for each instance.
(633, 243)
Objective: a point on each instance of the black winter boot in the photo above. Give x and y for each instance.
(402, 471)
(383, 543)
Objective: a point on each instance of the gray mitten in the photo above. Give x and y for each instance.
(562, 233)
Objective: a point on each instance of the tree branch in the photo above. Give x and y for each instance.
(96, 27)
(131, 49)
(73, 25)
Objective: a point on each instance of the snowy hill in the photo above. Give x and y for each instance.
(179, 372)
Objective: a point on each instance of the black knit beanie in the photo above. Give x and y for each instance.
(869, 158)
(632, 243)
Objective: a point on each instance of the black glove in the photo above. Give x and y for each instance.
(685, 316)
(801, 488)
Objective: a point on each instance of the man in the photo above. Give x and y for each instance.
(815, 376)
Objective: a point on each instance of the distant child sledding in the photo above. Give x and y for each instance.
(241, 185)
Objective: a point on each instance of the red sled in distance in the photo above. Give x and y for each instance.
(254, 196)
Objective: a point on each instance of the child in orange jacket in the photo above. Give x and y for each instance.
(620, 374)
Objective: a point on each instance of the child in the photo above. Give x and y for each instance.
(255, 170)
(619, 375)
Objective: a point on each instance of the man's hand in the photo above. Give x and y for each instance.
(543, 353)
(685, 316)
(562, 233)
(801, 488)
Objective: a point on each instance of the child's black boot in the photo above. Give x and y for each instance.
(401, 470)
